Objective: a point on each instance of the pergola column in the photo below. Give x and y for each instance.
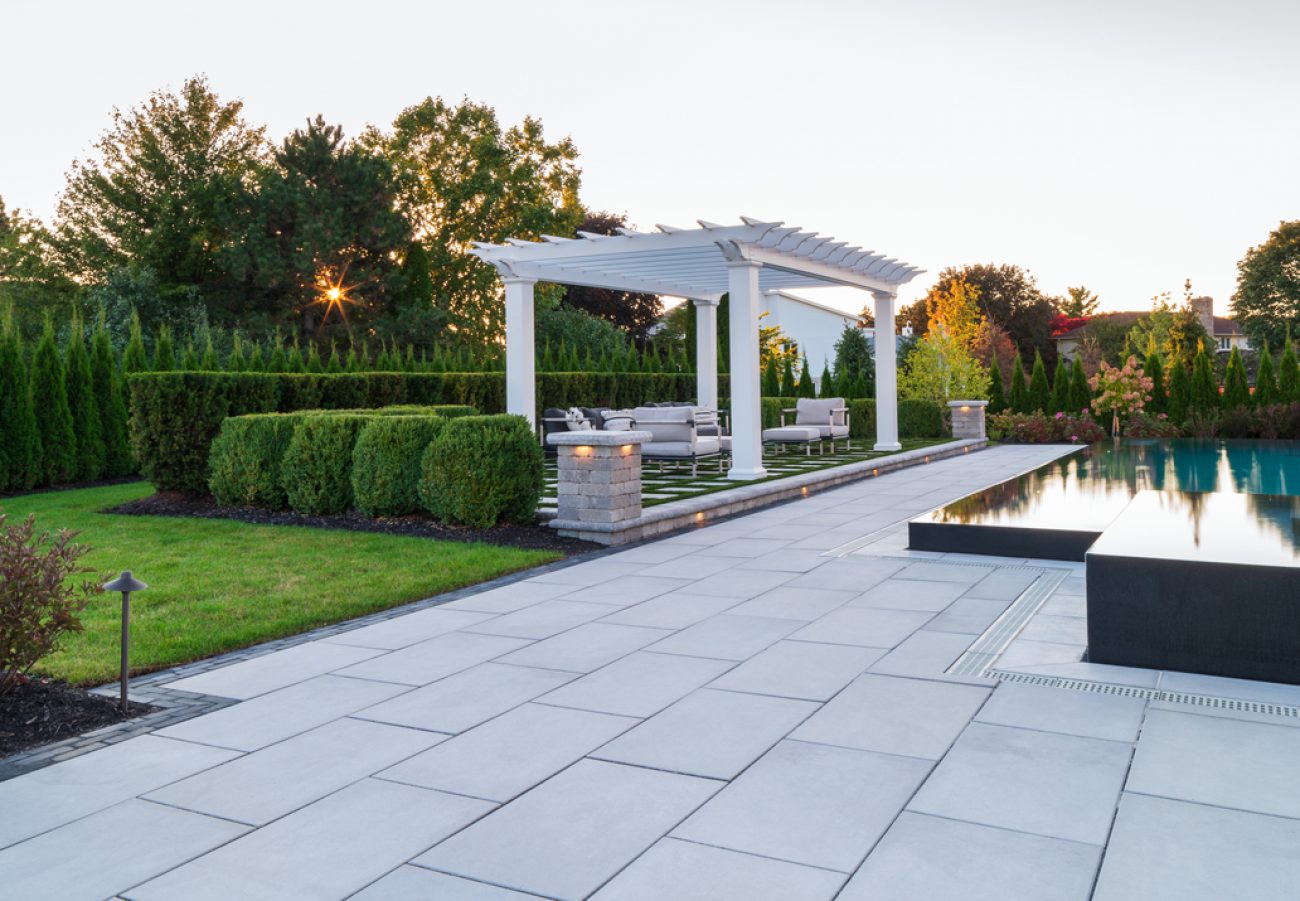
(706, 353)
(886, 373)
(746, 409)
(521, 360)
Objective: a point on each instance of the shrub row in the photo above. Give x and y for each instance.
(1040, 428)
(475, 470)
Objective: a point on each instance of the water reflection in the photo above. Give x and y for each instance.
(1087, 490)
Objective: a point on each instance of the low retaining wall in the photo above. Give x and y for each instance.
(696, 511)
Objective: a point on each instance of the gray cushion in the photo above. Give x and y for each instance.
(792, 433)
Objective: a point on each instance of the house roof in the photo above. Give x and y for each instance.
(1222, 325)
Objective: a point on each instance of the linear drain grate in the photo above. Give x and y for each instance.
(985, 649)
(1213, 702)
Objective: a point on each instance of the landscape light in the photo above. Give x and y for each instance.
(125, 583)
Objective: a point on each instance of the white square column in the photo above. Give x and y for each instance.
(706, 353)
(746, 409)
(886, 373)
(521, 350)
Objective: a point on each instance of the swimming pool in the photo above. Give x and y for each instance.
(1058, 510)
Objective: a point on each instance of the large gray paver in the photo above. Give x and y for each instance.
(791, 560)
(58, 794)
(585, 648)
(273, 717)
(810, 804)
(108, 851)
(271, 671)
(696, 566)
(672, 611)
(1024, 654)
(418, 884)
(805, 604)
(640, 684)
(509, 598)
(800, 669)
(466, 699)
(567, 837)
(1058, 629)
(1048, 709)
(934, 571)
(592, 572)
(741, 583)
(435, 658)
(626, 590)
(401, 631)
(748, 547)
(1061, 786)
(685, 871)
(908, 594)
(924, 653)
(911, 717)
(934, 859)
(727, 637)
(1212, 760)
(276, 780)
(510, 754)
(541, 620)
(1165, 850)
(970, 616)
(708, 733)
(864, 627)
(1004, 584)
(325, 851)
(849, 573)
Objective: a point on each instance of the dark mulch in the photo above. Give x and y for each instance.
(533, 537)
(44, 710)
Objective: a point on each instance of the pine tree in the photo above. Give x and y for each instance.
(826, 383)
(1180, 391)
(293, 361)
(806, 386)
(53, 418)
(1288, 374)
(164, 358)
(1205, 388)
(20, 446)
(1060, 387)
(1080, 393)
(787, 379)
(110, 395)
(1265, 379)
(1018, 399)
(771, 379)
(1236, 389)
(134, 358)
(87, 428)
(1040, 394)
(997, 394)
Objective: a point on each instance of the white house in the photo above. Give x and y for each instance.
(814, 326)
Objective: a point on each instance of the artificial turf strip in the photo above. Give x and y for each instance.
(217, 585)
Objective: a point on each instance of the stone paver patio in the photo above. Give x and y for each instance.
(758, 709)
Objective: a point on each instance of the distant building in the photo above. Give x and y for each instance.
(1224, 331)
(815, 327)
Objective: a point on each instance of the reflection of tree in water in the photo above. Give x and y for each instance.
(1280, 513)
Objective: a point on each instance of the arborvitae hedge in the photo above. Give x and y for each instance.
(1018, 397)
(482, 470)
(386, 463)
(1080, 393)
(1265, 380)
(1180, 391)
(1040, 394)
(1155, 371)
(1060, 388)
(1236, 390)
(20, 444)
(53, 419)
(110, 395)
(997, 394)
(1205, 388)
(1288, 374)
(87, 425)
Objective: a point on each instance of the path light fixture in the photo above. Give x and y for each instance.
(125, 583)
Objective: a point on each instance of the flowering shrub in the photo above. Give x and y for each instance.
(1146, 425)
(1039, 428)
(1120, 391)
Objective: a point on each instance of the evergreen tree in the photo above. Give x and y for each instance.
(87, 430)
(1018, 398)
(293, 361)
(134, 358)
(1180, 391)
(1288, 374)
(788, 388)
(279, 360)
(1040, 394)
(806, 386)
(409, 364)
(1205, 388)
(1155, 370)
(110, 396)
(1236, 389)
(1265, 379)
(164, 358)
(1080, 393)
(997, 394)
(771, 379)
(255, 361)
(236, 362)
(20, 445)
(53, 418)
(1060, 387)
(209, 363)
(335, 364)
(826, 383)
(354, 360)
(189, 358)
(313, 359)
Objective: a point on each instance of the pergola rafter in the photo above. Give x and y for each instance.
(701, 264)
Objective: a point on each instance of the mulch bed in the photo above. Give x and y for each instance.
(45, 710)
(532, 537)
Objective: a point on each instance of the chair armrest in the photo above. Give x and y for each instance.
(622, 417)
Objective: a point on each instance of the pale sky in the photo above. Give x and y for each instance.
(1122, 145)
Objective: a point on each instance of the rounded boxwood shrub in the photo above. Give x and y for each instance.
(317, 469)
(386, 462)
(482, 470)
(246, 459)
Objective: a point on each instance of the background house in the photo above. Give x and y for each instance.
(815, 327)
(1225, 332)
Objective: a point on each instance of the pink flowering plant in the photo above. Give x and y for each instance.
(1038, 428)
(1120, 391)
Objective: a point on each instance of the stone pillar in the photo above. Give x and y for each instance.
(968, 418)
(599, 484)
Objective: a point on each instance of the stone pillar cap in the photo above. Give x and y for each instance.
(599, 439)
(968, 403)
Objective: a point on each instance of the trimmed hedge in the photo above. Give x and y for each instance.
(246, 458)
(316, 471)
(482, 470)
(386, 463)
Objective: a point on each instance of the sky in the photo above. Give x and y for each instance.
(1125, 146)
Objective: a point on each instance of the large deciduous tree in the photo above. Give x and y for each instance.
(1009, 296)
(1267, 301)
(634, 313)
(464, 178)
(1080, 303)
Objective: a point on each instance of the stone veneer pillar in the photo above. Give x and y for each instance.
(599, 485)
(968, 418)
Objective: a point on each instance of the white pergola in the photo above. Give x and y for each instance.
(701, 264)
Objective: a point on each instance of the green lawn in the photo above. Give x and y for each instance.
(217, 585)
